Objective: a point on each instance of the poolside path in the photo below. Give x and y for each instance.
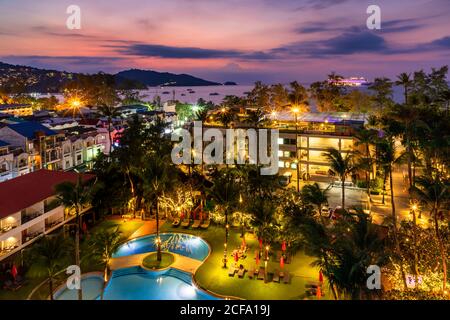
(181, 262)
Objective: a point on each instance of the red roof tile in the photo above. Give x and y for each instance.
(24, 191)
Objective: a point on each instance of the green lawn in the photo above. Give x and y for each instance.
(150, 261)
(212, 276)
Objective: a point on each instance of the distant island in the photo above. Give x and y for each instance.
(230, 83)
(29, 79)
(164, 79)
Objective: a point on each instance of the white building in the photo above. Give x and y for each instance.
(30, 209)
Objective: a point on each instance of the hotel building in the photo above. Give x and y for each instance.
(29, 208)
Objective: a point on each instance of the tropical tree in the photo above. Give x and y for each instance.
(298, 97)
(75, 196)
(387, 157)
(341, 166)
(312, 193)
(434, 192)
(383, 92)
(49, 256)
(366, 137)
(159, 178)
(225, 192)
(404, 80)
(103, 244)
(256, 119)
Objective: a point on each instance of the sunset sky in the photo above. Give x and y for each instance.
(237, 40)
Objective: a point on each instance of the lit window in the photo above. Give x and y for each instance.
(293, 165)
(280, 141)
(281, 164)
(280, 153)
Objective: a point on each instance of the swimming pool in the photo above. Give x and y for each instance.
(136, 283)
(91, 286)
(183, 244)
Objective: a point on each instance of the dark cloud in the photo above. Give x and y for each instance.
(319, 4)
(169, 52)
(443, 43)
(350, 42)
(389, 26)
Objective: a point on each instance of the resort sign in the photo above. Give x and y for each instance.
(238, 146)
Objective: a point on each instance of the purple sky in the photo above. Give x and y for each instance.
(238, 40)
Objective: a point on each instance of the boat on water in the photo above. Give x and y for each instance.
(214, 94)
(350, 82)
(166, 92)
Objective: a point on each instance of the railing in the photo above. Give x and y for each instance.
(30, 216)
(7, 228)
(52, 205)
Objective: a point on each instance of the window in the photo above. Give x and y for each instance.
(281, 164)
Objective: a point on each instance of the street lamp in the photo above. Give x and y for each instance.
(265, 262)
(296, 111)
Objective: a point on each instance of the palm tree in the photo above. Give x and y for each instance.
(49, 256)
(159, 178)
(342, 166)
(110, 113)
(311, 193)
(318, 242)
(404, 79)
(434, 192)
(387, 158)
(256, 119)
(75, 196)
(366, 137)
(298, 97)
(225, 193)
(103, 244)
(226, 117)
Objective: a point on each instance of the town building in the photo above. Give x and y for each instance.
(17, 110)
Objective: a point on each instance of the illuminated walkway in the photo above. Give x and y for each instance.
(181, 262)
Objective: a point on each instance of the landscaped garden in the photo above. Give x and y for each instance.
(213, 277)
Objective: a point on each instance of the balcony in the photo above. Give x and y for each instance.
(30, 216)
(48, 206)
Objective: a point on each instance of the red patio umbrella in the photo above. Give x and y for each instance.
(182, 215)
(14, 271)
(260, 243)
(243, 243)
(320, 276)
(236, 257)
(319, 293)
(283, 246)
(282, 262)
(257, 257)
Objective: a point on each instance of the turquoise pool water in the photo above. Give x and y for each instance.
(138, 284)
(91, 286)
(183, 244)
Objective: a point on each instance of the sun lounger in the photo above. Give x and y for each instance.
(241, 272)
(276, 276)
(196, 224)
(261, 273)
(251, 273)
(176, 222)
(185, 223)
(205, 224)
(231, 271)
(287, 277)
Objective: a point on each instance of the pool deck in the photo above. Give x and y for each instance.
(181, 262)
(148, 228)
